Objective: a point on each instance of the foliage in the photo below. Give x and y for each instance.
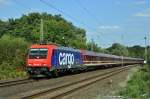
(118, 49)
(56, 30)
(136, 51)
(12, 55)
(139, 52)
(12, 49)
(92, 46)
(8, 71)
(139, 85)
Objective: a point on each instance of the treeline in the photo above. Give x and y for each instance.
(56, 30)
(16, 35)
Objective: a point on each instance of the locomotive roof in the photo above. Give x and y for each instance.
(68, 49)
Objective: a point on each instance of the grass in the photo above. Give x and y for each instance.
(138, 87)
(8, 71)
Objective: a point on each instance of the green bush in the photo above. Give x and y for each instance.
(139, 85)
(12, 56)
(7, 71)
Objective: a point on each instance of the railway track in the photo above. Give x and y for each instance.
(15, 82)
(66, 89)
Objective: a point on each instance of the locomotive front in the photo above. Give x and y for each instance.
(39, 59)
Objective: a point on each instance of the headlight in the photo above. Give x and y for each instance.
(29, 64)
(44, 64)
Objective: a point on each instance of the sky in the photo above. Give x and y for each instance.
(105, 21)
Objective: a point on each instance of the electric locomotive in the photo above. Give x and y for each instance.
(50, 59)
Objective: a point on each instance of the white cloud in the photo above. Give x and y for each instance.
(144, 13)
(30, 10)
(140, 2)
(4, 2)
(131, 3)
(107, 27)
(117, 2)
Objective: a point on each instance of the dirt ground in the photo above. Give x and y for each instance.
(105, 89)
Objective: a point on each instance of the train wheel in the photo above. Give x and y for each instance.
(55, 73)
(49, 75)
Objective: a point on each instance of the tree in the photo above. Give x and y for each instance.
(136, 51)
(93, 47)
(12, 51)
(118, 49)
(56, 29)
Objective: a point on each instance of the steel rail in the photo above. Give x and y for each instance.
(15, 82)
(66, 89)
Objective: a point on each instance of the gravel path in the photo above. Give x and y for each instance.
(38, 85)
(102, 88)
(105, 89)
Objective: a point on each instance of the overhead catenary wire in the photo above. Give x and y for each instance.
(137, 40)
(22, 5)
(68, 15)
(27, 7)
(62, 12)
(88, 11)
(59, 10)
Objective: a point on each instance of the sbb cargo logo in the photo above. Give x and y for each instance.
(66, 59)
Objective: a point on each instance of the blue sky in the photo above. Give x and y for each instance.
(105, 21)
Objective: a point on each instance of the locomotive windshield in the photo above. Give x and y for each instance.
(38, 53)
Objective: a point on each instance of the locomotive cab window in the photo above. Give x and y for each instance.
(38, 53)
